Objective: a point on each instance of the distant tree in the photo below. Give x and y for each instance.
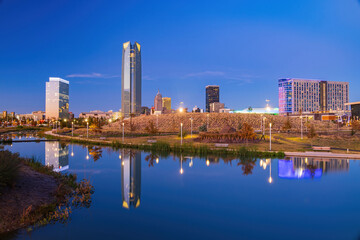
(150, 128)
(203, 128)
(287, 125)
(95, 128)
(250, 109)
(247, 133)
(312, 132)
(355, 126)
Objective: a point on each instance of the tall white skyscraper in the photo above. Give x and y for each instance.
(57, 99)
(131, 79)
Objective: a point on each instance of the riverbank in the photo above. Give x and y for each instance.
(163, 147)
(33, 195)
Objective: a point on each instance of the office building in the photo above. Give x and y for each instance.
(36, 116)
(212, 95)
(216, 106)
(57, 156)
(98, 114)
(312, 96)
(131, 178)
(4, 114)
(57, 99)
(131, 79)
(166, 103)
(158, 102)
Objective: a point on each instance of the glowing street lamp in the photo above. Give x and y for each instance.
(87, 129)
(72, 128)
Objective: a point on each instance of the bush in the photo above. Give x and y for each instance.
(312, 132)
(203, 128)
(9, 168)
(151, 129)
(184, 133)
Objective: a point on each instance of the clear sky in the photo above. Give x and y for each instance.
(243, 45)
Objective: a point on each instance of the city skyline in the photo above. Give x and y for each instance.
(271, 43)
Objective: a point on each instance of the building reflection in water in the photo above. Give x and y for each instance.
(303, 168)
(131, 178)
(57, 155)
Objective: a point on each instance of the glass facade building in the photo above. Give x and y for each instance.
(57, 156)
(312, 96)
(131, 178)
(212, 95)
(131, 79)
(57, 99)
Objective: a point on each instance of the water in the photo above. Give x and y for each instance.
(142, 196)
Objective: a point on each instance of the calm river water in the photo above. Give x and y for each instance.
(143, 196)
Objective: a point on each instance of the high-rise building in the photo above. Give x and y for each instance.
(158, 102)
(57, 156)
(212, 95)
(131, 79)
(57, 99)
(166, 103)
(311, 96)
(131, 178)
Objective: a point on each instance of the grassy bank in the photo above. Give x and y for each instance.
(165, 148)
(46, 196)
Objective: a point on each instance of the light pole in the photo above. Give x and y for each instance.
(123, 131)
(181, 132)
(270, 135)
(72, 128)
(87, 129)
(264, 126)
(191, 123)
(207, 122)
(301, 127)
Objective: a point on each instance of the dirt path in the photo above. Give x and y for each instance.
(32, 190)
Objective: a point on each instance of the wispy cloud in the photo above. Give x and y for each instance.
(91, 75)
(205, 73)
(147, 78)
(227, 76)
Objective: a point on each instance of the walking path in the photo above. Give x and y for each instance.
(322, 155)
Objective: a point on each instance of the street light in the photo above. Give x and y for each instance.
(270, 135)
(72, 128)
(191, 120)
(87, 129)
(207, 122)
(181, 133)
(301, 124)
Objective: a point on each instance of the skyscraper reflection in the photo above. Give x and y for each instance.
(57, 155)
(302, 167)
(131, 178)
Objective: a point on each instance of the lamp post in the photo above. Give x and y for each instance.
(72, 128)
(123, 131)
(87, 129)
(264, 126)
(207, 122)
(270, 135)
(181, 132)
(191, 123)
(301, 123)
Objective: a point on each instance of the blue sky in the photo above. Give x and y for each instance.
(244, 46)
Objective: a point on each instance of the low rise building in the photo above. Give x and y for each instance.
(97, 114)
(216, 106)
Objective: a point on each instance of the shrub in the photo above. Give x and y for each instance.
(184, 133)
(9, 168)
(150, 128)
(312, 132)
(203, 128)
